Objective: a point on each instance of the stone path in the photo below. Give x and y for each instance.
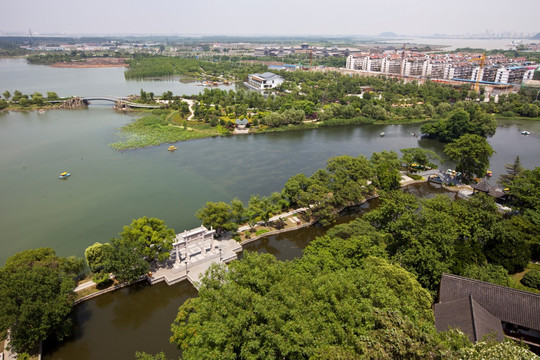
(190, 103)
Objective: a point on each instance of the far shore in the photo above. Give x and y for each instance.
(75, 65)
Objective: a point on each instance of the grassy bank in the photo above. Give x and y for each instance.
(160, 127)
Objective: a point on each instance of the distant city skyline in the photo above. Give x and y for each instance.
(273, 18)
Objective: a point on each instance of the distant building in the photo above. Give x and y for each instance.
(267, 80)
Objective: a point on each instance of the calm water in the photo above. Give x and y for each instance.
(16, 74)
(116, 325)
(108, 189)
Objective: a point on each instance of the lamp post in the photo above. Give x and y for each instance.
(186, 267)
(220, 254)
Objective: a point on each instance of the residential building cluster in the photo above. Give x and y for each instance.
(456, 66)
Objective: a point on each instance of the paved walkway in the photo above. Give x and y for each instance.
(190, 103)
(274, 218)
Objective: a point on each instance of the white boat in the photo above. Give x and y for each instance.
(525, 132)
(382, 134)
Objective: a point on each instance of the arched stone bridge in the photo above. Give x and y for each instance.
(122, 101)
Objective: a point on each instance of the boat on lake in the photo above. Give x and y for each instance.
(525, 132)
(64, 175)
(382, 134)
(172, 148)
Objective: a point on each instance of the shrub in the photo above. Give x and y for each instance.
(261, 231)
(102, 280)
(532, 279)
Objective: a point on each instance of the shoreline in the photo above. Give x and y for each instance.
(67, 66)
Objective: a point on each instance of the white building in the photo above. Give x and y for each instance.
(267, 80)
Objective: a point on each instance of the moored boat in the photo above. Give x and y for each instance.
(435, 179)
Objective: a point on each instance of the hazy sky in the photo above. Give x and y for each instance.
(270, 17)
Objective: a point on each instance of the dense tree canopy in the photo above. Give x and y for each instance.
(36, 295)
(471, 154)
(262, 308)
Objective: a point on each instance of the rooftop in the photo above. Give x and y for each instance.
(509, 305)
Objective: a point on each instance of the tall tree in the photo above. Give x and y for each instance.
(471, 153)
(512, 171)
(125, 260)
(151, 236)
(217, 215)
(36, 296)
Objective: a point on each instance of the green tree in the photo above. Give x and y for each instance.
(262, 308)
(36, 296)
(295, 188)
(7, 95)
(507, 248)
(151, 236)
(96, 256)
(421, 157)
(512, 171)
(525, 191)
(532, 279)
(471, 154)
(126, 261)
(51, 95)
(217, 215)
(492, 273)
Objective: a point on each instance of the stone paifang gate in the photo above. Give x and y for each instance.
(193, 252)
(190, 244)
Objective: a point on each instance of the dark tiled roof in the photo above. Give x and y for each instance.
(509, 305)
(468, 316)
(482, 186)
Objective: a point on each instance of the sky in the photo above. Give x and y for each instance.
(269, 17)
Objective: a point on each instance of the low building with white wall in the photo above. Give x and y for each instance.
(263, 81)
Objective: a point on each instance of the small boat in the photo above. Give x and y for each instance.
(382, 134)
(525, 132)
(172, 148)
(435, 179)
(488, 173)
(41, 111)
(64, 175)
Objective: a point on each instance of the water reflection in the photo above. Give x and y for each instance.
(115, 325)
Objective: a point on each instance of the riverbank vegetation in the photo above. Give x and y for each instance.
(20, 101)
(163, 127)
(426, 237)
(365, 288)
(358, 291)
